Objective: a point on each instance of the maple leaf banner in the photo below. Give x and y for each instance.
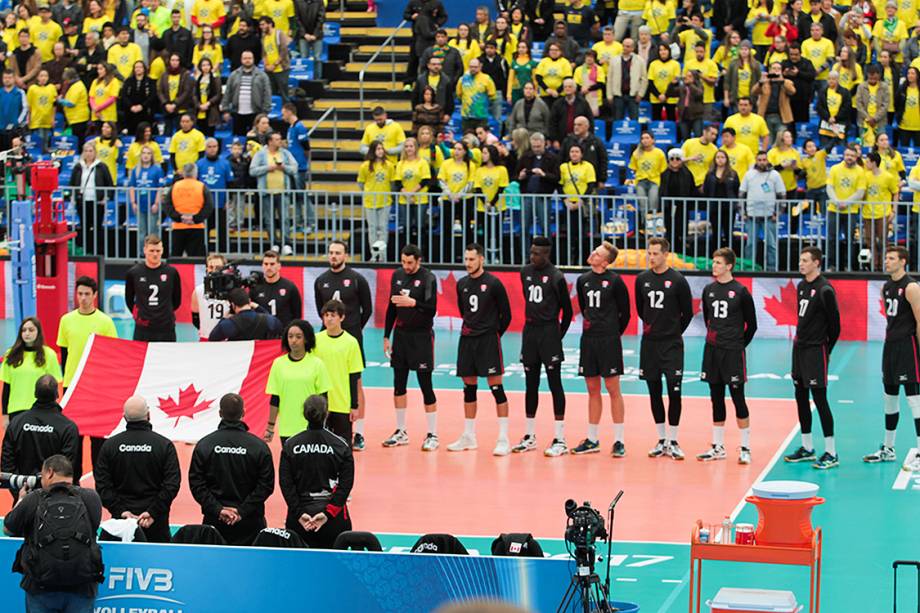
(182, 382)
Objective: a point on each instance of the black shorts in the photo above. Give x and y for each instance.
(600, 356)
(480, 356)
(900, 364)
(659, 357)
(809, 365)
(142, 333)
(725, 366)
(413, 350)
(541, 345)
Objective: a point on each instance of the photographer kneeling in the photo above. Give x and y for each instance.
(249, 321)
(64, 572)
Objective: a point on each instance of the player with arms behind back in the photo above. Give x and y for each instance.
(277, 295)
(604, 304)
(731, 322)
(664, 304)
(900, 364)
(816, 333)
(486, 313)
(153, 292)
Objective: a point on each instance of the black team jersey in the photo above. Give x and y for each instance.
(349, 287)
(728, 310)
(153, 295)
(281, 299)
(819, 317)
(423, 287)
(898, 312)
(545, 295)
(664, 303)
(484, 305)
(604, 303)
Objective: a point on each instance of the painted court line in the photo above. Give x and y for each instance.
(904, 478)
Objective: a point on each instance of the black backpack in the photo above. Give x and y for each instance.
(62, 552)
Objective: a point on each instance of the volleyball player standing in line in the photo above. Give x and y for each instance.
(153, 292)
(351, 289)
(664, 304)
(546, 296)
(410, 316)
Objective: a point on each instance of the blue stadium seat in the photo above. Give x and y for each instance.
(665, 132)
(806, 130)
(626, 132)
(65, 143)
(617, 155)
(275, 113)
(910, 155)
(645, 111)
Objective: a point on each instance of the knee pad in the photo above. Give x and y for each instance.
(498, 392)
(469, 392)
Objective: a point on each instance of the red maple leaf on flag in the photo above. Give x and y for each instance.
(785, 308)
(186, 407)
(447, 297)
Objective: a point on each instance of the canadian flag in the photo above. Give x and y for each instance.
(182, 382)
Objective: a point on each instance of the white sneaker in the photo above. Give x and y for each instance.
(397, 439)
(528, 443)
(716, 452)
(464, 443)
(556, 448)
(431, 442)
(502, 447)
(912, 464)
(276, 248)
(744, 457)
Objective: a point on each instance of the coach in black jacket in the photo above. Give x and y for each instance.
(231, 476)
(316, 474)
(137, 473)
(39, 433)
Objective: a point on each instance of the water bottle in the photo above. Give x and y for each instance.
(727, 530)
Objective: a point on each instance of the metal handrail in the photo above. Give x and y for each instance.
(390, 40)
(335, 137)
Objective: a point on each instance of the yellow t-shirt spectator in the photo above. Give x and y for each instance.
(133, 155)
(281, 12)
(207, 12)
(707, 68)
(606, 52)
(553, 72)
(489, 180)
(413, 174)
(849, 79)
(648, 165)
(41, 105)
(881, 190)
(692, 148)
(575, 178)
(107, 153)
(377, 182)
(185, 147)
(466, 52)
(896, 34)
(43, 36)
(391, 135)
(124, 58)
(79, 111)
(748, 130)
(819, 52)
(776, 157)
(846, 182)
(658, 16)
(740, 157)
(215, 53)
(815, 170)
(99, 92)
(662, 74)
(458, 176)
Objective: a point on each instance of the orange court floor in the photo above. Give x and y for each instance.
(406, 490)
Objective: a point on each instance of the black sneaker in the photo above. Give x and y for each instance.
(826, 461)
(359, 443)
(619, 450)
(801, 455)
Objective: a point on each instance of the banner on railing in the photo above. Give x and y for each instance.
(775, 298)
(198, 579)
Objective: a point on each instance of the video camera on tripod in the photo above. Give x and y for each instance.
(219, 284)
(584, 526)
(13, 481)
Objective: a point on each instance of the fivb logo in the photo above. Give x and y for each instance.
(142, 579)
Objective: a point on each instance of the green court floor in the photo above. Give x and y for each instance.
(869, 519)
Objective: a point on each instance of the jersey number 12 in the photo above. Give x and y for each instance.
(656, 299)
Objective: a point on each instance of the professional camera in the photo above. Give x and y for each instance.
(584, 526)
(17, 482)
(219, 284)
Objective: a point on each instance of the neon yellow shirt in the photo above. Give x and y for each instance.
(815, 170)
(748, 130)
(107, 153)
(185, 146)
(819, 52)
(43, 36)
(79, 112)
(466, 52)
(208, 12)
(489, 180)
(41, 105)
(99, 92)
(21, 379)
(915, 176)
(377, 183)
(413, 174)
(708, 68)
(693, 148)
(124, 58)
(892, 162)
(881, 189)
(457, 175)
(688, 40)
(776, 157)
(342, 357)
(270, 52)
(74, 332)
(662, 74)
(133, 155)
(574, 178)
(658, 16)
(554, 72)
(281, 12)
(910, 120)
(94, 24)
(215, 53)
(391, 134)
(849, 79)
(606, 52)
(648, 165)
(740, 158)
(846, 182)
(293, 382)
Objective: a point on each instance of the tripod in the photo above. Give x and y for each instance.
(586, 593)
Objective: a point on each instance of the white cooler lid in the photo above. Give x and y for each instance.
(741, 599)
(785, 490)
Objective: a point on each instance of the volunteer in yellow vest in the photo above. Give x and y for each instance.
(907, 109)
(123, 54)
(375, 178)
(23, 364)
(786, 159)
(41, 97)
(188, 203)
(44, 32)
(647, 163)
(750, 129)
(186, 145)
(385, 131)
(698, 153)
(846, 187)
(815, 166)
(293, 377)
(740, 156)
(74, 99)
(877, 212)
(276, 55)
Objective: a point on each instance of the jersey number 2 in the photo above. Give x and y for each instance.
(154, 298)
